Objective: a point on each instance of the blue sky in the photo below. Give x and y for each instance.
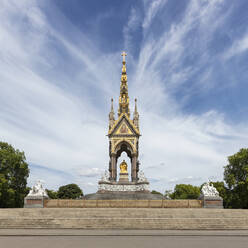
(60, 65)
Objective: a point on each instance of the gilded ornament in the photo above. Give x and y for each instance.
(123, 167)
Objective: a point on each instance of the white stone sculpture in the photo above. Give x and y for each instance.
(209, 190)
(38, 190)
(105, 176)
(141, 176)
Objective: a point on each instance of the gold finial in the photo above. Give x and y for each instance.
(124, 70)
(123, 55)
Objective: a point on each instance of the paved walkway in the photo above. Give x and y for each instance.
(123, 241)
(83, 232)
(64, 238)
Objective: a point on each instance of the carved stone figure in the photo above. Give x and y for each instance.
(141, 176)
(209, 190)
(38, 190)
(105, 176)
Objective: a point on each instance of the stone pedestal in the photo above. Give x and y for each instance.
(211, 201)
(123, 189)
(34, 201)
(123, 177)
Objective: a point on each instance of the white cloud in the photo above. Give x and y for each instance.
(90, 172)
(52, 125)
(58, 114)
(238, 47)
(131, 26)
(152, 8)
(162, 58)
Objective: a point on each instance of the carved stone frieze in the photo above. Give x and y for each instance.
(124, 188)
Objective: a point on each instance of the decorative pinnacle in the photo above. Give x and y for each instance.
(112, 107)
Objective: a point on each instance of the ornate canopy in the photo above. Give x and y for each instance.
(124, 132)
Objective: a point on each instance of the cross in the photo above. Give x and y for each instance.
(123, 55)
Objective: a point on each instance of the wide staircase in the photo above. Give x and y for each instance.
(125, 218)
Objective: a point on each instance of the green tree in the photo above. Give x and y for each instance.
(185, 191)
(13, 176)
(69, 191)
(156, 192)
(236, 178)
(52, 194)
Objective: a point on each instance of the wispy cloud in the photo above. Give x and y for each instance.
(90, 172)
(239, 46)
(151, 7)
(134, 21)
(56, 84)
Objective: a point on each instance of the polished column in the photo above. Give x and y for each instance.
(113, 168)
(133, 172)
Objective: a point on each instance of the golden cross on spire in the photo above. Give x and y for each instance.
(123, 55)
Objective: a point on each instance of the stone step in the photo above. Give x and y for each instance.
(125, 224)
(123, 212)
(176, 219)
(130, 216)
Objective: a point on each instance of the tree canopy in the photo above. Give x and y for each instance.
(236, 178)
(185, 191)
(69, 191)
(13, 176)
(156, 192)
(52, 194)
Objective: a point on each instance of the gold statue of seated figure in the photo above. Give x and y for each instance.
(123, 167)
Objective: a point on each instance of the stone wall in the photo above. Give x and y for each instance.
(59, 203)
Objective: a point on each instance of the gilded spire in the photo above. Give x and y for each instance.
(124, 98)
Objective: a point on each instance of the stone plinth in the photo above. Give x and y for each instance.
(34, 201)
(211, 201)
(121, 195)
(123, 189)
(123, 177)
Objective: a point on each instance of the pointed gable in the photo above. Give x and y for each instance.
(123, 126)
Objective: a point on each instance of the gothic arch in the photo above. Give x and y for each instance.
(124, 146)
